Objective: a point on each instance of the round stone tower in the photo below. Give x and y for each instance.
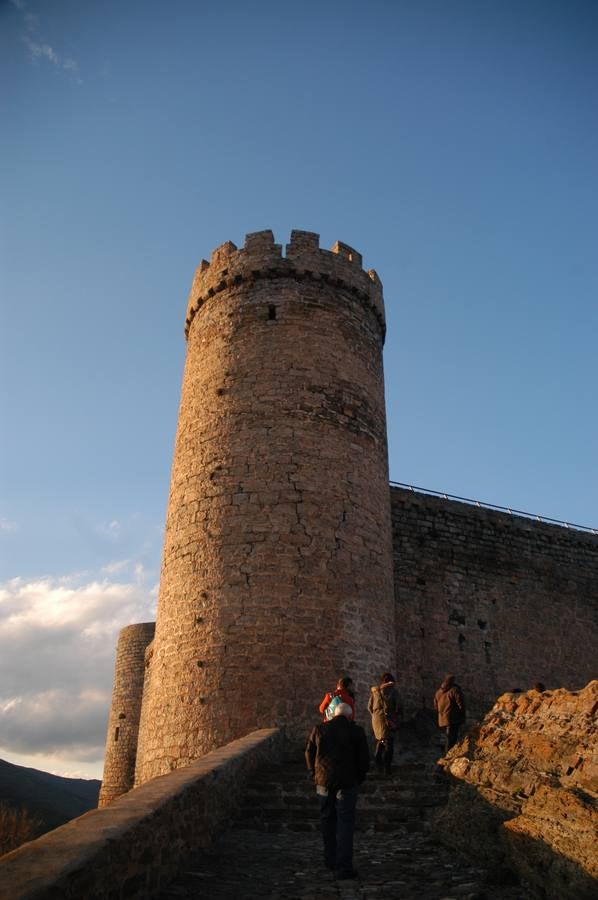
(277, 567)
(123, 722)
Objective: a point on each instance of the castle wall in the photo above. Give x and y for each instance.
(125, 709)
(277, 565)
(500, 600)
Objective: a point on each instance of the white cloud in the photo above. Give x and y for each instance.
(39, 49)
(118, 565)
(112, 530)
(31, 21)
(57, 643)
(7, 527)
(42, 51)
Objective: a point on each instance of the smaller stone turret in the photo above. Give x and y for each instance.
(123, 722)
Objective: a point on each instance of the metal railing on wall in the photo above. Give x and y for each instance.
(507, 509)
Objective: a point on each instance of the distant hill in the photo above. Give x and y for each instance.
(51, 798)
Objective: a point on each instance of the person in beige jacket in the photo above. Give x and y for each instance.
(385, 708)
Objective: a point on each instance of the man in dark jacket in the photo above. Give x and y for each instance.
(338, 758)
(450, 706)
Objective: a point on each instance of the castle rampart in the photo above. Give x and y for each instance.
(305, 260)
(501, 600)
(277, 565)
(123, 722)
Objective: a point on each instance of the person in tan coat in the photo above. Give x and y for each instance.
(449, 703)
(384, 706)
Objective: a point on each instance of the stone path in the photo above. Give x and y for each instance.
(273, 849)
(249, 865)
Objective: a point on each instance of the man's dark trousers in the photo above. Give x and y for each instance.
(452, 734)
(337, 820)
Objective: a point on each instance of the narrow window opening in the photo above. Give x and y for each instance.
(271, 312)
(116, 731)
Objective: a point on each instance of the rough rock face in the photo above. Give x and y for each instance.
(524, 791)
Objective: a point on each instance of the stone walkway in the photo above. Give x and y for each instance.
(273, 849)
(249, 865)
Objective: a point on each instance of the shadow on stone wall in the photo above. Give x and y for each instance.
(497, 839)
(524, 792)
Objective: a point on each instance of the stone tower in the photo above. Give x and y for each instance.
(123, 722)
(277, 566)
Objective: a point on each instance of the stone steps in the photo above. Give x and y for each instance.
(272, 848)
(282, 798)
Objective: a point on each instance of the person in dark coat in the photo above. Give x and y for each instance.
(338, 758)
(386, 711)
(449, 703)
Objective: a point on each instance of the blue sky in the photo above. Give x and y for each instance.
(454, 144)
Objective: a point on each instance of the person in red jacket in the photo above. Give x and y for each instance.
(344, 690)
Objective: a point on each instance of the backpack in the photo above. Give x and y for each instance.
(334, 703)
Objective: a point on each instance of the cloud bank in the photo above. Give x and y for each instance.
(57, 643)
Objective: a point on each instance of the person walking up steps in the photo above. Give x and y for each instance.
(449, 703)
(386, 711)
(338, 758)
(343, 693)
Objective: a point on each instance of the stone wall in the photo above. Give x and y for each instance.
(500, 600)
(133, 848)
(524, 792)
(125, 709)
(277, 565)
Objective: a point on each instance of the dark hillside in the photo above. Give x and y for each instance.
(51, 798)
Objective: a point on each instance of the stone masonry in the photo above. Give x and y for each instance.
(501, 600)
(279, 562)
(277, 565)
(123, 723)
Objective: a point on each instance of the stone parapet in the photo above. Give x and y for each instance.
(134, 847)
(305, 260)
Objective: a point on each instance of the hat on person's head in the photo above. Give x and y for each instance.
(343, 709)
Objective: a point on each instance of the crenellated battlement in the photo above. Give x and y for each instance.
(261, 257)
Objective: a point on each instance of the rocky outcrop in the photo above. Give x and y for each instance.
(524, 791)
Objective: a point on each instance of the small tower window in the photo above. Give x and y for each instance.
(116, 732)
(271, 312)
